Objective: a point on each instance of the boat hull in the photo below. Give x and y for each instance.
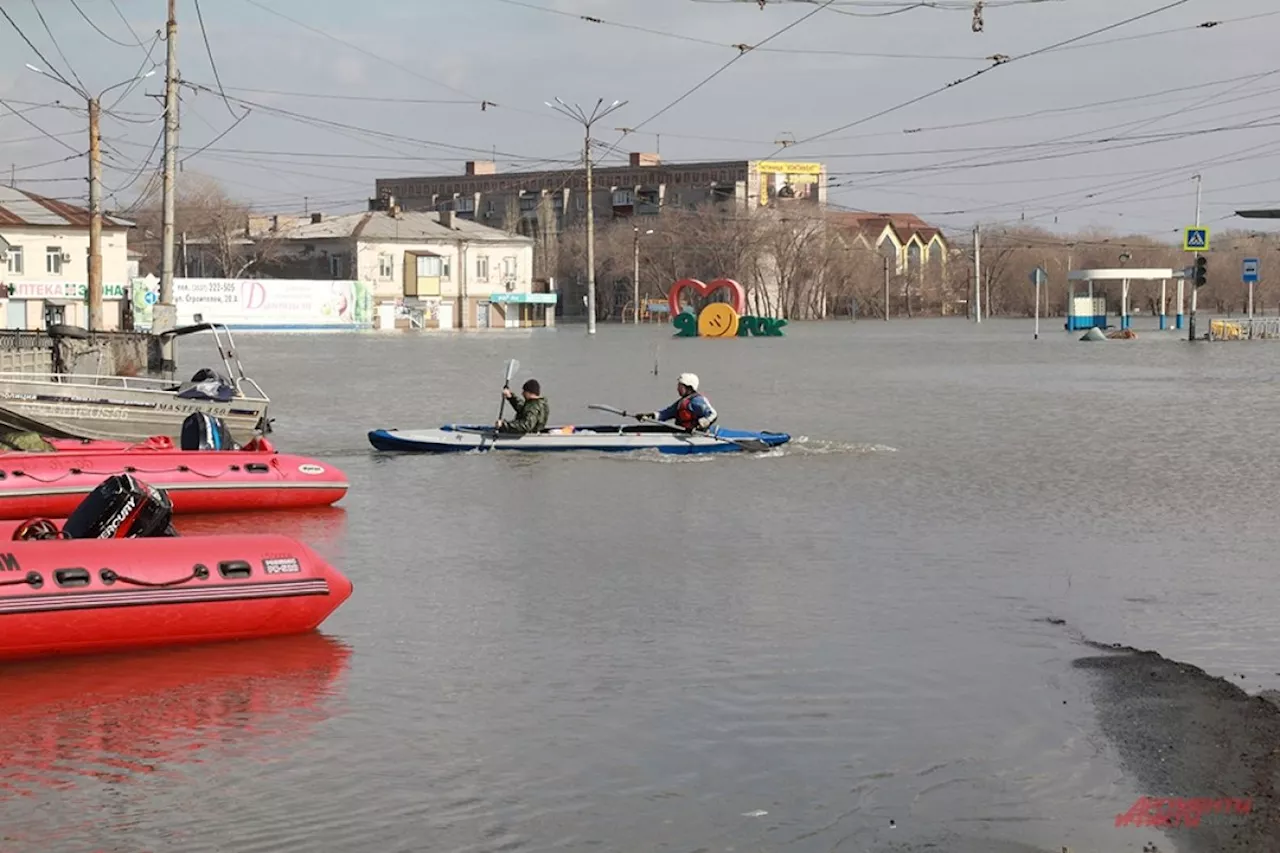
(86, 596)
(601, 439)
(54, 484)
(115, 413)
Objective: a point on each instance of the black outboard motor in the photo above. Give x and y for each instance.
(203, 431)
(122, 507)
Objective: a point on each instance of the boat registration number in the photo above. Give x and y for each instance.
(97, 413)
(281, 566)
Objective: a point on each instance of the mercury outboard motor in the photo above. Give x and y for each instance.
(122, 507)
(203, 431)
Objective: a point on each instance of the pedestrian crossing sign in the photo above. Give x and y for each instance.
(1196, 240)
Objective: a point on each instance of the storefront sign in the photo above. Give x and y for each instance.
(534, 298)
(59, 290)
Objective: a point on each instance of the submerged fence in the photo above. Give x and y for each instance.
(1245, 329)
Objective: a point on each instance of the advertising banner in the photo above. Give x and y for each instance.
(265, 304)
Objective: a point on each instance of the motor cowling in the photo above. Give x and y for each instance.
(203, 431)
(122, 507)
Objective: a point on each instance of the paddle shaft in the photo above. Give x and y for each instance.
(502, 398)
(744, 443)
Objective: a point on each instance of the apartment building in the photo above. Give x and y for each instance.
(542, 203)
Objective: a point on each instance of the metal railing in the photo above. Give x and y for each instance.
(1259, 328)
(249, 390)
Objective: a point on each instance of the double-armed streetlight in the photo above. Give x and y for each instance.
(586, 119)
(95, 186)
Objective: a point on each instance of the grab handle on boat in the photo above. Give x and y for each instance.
(110, 576)
(235, 569)
(71, 577)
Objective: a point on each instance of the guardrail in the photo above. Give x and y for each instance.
(1259, 328)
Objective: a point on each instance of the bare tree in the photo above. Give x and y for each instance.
(215, 227)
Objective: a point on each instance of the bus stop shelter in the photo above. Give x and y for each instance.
(1125, 275)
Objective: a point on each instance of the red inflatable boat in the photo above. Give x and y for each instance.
(53, 484)
(94, 595)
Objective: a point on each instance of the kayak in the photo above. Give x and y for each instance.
(612, 438)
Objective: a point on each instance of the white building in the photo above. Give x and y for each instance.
(457, 273)
(44, 275)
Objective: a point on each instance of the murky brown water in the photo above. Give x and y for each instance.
(590, 652)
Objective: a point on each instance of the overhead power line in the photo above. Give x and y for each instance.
(725, 67)
(591, 19)
(484, 102)
(999, 63)
(204, 34)
(137, 42)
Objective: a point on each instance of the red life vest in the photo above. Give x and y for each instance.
(685, 418)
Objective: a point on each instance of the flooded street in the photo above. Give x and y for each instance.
(863, 642)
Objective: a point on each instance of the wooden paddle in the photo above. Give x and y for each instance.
(754, 445)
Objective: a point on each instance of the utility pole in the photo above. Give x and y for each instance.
(977, 272)
(635, 283)
(886, 287)
(586, 119)
(591, 238)
(95, 217)
(94, 290)
(164, 316)
(1191, 322)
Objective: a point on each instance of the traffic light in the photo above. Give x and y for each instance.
(1202, 275)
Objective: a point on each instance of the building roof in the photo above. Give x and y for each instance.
(904, 225)
(22, 208)
(407, 226)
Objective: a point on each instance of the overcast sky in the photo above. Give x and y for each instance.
(409, 83)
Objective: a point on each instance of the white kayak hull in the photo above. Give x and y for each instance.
(602, 439)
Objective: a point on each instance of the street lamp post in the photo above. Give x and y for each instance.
(586, 119)
(95, 188)
(635, 280)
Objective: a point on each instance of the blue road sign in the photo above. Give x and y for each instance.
(1039, 276)
(1196, 240)
(1249, 270)
(151, 298)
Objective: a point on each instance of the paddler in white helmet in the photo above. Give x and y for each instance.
(692, 411)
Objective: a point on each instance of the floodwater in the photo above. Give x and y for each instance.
(861, 643)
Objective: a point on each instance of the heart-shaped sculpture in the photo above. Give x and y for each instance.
(739, 294)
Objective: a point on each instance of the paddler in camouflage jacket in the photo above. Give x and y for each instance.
(531, 411)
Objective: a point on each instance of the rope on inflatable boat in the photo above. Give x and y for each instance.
(71, 472)
(32, 579)
(110, 576)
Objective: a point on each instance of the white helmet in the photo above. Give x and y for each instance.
(689, 380)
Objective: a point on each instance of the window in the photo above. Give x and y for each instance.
(509, 267)
(444, 269)
(482, 268)
(429, 266)
(623, 198)
(385, 264)
(340, 265)
(15, 260)
(53, 260)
